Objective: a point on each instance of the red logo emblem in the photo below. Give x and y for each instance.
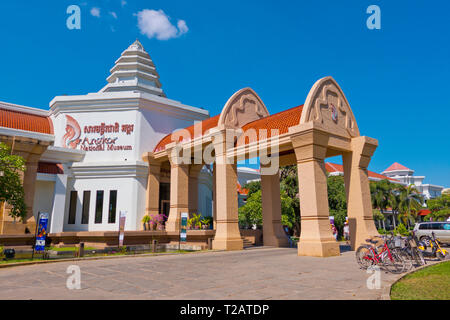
(334, 113)
(73, 132)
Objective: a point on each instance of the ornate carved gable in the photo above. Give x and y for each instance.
(327, 105)
(243, 107)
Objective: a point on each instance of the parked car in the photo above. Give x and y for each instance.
(440, 229)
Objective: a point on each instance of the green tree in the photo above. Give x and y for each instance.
(410, 203)
(439, 207)
(251, 213)
(337, 201)
(11, 188)
(289, 188)
(253, 187)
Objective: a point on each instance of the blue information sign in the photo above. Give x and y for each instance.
(184, 218)
(41, 232)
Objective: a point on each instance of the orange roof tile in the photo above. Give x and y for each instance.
(281, 121)
(396, 166)
(205, 125)
(25, 121)
(333, 167)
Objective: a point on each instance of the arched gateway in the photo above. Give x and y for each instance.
(323, 127)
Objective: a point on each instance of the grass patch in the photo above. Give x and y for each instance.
(431, 283)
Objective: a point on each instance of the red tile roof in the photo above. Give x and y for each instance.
(50, 168)
(396, 166)
(424, 212)
(281, 121)
(241, 190)
(25, 121)
(333, 167)
(205, 125)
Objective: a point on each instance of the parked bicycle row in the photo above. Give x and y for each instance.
(398, 254)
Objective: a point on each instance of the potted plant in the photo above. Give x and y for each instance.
(196, 220)
(206, 222)
(146, 220)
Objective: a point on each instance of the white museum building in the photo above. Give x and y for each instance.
(93, 166)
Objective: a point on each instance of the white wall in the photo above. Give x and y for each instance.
(43, 197)
(130, 198)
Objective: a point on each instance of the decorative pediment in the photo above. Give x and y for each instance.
(243, 107)
(327, 105)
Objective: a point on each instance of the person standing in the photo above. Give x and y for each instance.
(346, 232)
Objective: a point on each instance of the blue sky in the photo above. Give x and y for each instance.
(396, 78)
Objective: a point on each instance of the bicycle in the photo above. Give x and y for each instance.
(435, 245)
(411, 248)
(386, 255)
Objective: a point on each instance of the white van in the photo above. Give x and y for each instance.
(441, 230)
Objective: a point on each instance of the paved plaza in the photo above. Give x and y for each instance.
(258, 273)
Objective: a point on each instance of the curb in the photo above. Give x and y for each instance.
(387, 295)
(143, 255)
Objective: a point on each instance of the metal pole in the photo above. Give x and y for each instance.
(35, 234)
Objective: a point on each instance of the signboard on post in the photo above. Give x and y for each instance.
(183, 227)
(122, 219)
(41, 233)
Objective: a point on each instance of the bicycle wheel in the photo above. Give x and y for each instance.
(406, 257)
(418, 257)
(364, 256)
(395, 263)
(440, 255)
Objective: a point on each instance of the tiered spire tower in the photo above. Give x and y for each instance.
(134, 71)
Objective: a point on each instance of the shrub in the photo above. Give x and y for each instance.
(402, 230)
(381, 231)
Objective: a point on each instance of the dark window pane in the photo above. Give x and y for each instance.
(86, 204)
(112, 206)
(99, 207)
(73, 207)
(423, 227)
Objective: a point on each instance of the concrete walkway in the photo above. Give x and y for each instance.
(259, 273)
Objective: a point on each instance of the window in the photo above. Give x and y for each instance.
(73, 207)
(424, 226)
(437, 226)
(86, 204)
(99, 207)
(112, 206)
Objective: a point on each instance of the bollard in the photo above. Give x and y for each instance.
(154, 245)
(81, 250)
(210, 240)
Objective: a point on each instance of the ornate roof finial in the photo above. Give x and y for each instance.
(137, 45)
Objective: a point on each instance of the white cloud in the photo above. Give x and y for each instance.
(113, 14)
(123, 3)
(182, 26)
(156, 24)
(95, 12)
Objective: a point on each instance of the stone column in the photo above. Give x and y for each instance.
(29, 185)
(228, 236)
(194, 170)
(316, 238)
(273, 233)
(359, 204)
(214, 197)
(179, 192)
(153, 182)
